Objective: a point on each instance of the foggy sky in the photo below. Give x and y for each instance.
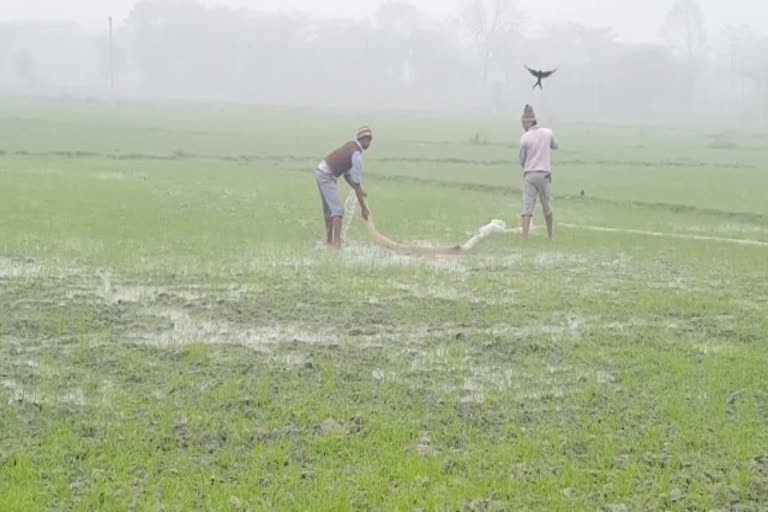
(633, 20)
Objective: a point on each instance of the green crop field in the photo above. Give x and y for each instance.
(173, 339)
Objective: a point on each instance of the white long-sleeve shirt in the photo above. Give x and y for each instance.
(536, 147)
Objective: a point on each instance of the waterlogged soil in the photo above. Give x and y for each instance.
(169, 339)
(606, 382)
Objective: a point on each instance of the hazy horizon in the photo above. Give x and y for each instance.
(638, 22)
(614, 60)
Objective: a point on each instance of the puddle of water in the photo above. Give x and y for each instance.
(370, 255)
(281, 262)
(444, 292)
(19, 269)
(17, 393)
(626, 325)
(185, 330)
(506, 261)
(289, 360)
(112, 293)
(452, 293)
(28, 268)
(557, 258)
(150, 294)
(544, 392)
(74, 397)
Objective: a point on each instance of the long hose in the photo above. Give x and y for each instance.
(351, 207)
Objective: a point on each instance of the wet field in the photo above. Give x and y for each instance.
(173, 338)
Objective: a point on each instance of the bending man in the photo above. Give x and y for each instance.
(536, 147)
(345, 161)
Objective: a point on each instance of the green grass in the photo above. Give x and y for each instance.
(170, 338)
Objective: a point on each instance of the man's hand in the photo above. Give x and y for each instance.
(361, 195)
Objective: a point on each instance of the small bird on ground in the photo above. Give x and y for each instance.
(539, 74)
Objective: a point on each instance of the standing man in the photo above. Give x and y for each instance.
(536, 147)
(345, 161)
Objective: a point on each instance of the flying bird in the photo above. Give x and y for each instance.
(539, 74)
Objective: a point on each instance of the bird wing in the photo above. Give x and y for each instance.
(532, 71)
(545, 74)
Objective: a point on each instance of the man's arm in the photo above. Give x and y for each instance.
(553, 143)
(523, 156)
(355, 180)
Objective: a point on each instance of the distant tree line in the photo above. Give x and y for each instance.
(398, 58)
